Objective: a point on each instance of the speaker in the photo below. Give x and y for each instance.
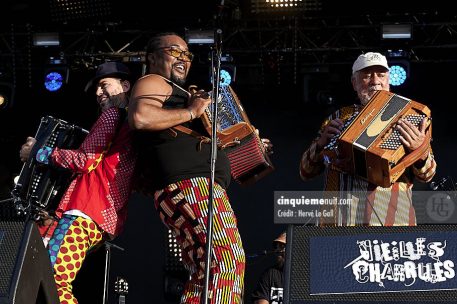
(362, 264)
(25, 269)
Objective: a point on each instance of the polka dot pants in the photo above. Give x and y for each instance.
(73, 237)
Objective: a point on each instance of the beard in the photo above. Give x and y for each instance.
(178, 80)
(280, 262)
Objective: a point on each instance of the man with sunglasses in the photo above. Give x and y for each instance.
(175, 169)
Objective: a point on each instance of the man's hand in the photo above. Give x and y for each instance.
(198, 102)
(267, 145)
(26, 149)
(332, 129)
(411, 136)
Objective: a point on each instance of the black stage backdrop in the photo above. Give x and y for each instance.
(289, 115)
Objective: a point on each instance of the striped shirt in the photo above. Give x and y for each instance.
(370, 204)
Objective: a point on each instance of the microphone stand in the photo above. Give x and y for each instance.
(216, 65)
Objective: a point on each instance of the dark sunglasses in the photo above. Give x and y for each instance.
(177, 53)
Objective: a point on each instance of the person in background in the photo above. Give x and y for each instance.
(371, 204)
(269, 288)
(94, 207)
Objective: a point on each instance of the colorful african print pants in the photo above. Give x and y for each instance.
(183, 208)
(73, 237)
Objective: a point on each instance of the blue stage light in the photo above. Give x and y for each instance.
(397, 75)
(225, 78)
(53, 81)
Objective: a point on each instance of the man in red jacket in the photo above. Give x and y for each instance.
(94, 207)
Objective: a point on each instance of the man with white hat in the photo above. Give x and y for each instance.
(371, 204)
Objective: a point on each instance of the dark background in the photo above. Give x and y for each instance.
(283, 82)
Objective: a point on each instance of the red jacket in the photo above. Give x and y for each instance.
(104, 164)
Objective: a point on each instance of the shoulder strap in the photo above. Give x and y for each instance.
(188, 131)
(203, 139)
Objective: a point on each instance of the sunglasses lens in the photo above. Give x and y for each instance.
(175, 53)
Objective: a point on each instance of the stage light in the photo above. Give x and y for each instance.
(3, 100)
(6, 95)
(397, 75)
(53, 81)
(225, 78)
(46, 39)
(175, 274)
(55, 74)
(199, 36)
(285, 6)
(65, 10)
(399, 66)
(173, 258)
(396, 31)
(227, 74)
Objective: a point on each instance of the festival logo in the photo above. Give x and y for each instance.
(401, 262)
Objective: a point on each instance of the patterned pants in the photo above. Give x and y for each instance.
(183, 208)
(73, 237)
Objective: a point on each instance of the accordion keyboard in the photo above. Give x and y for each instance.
(332, 145)
(393, 140)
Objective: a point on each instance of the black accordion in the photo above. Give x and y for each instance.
(40, 187)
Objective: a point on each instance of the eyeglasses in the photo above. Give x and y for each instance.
(178, 53)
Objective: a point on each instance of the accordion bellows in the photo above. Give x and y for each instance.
(371, 143)
(249, 161)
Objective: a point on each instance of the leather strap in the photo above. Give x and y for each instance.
(188, 131)
(203, 139)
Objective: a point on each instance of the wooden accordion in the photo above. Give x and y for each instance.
(249, 161)
(371, 143)
(39, 186)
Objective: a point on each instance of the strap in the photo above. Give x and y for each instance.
(203, 139)
(188, 131)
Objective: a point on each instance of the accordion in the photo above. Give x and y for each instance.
(40, 187)
(371, 143)
(249, 161)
